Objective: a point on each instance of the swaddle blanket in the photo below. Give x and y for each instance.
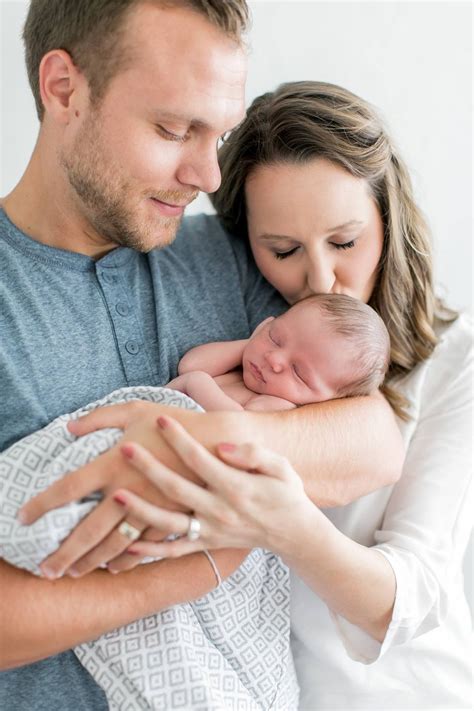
(228, 650)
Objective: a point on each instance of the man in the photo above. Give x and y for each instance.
(132, 97)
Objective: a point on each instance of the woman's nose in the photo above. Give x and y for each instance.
(320, 277)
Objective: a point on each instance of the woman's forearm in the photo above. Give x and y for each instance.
(39, 618)
(342, 449)
(356, 582)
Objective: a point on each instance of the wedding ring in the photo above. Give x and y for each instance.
(129, 531)
(194, 529)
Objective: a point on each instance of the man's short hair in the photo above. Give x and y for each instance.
(91, 31)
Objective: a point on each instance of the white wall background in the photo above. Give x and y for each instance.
(410, 59)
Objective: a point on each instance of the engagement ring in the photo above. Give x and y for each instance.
(129, 531)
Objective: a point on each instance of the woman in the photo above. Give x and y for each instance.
(312, 179)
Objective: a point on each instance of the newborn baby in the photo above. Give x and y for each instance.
(324, 347)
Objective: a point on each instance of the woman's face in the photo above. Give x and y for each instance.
(314, 228)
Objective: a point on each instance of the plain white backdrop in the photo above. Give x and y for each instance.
(412, 60)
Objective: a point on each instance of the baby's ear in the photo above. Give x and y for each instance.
(264, 323)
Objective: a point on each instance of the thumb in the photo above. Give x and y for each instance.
(110, 416)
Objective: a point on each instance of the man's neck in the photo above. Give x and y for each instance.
(42, 207)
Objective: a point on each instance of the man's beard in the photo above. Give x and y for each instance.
(107, 199)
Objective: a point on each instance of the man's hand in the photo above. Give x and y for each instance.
(96, 539)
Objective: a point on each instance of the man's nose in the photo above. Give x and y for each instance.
(200, 169)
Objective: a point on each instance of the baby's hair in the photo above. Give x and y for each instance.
(368, 336)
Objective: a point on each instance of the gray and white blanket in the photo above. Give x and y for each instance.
(226, 651)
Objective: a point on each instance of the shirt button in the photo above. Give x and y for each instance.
(108, 278)
(132, 347)
(122, 309)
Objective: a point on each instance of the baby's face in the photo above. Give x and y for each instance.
(298, 357)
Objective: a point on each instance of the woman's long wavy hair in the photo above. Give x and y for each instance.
(302, 121)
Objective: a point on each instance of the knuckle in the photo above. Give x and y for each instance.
(226, 518)
(253, 453)
(193, 457)
(67, 490)
(172, 488)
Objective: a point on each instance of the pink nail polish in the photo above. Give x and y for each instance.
(227, 447)
(127, 450)
(119, 499)
(162, 422)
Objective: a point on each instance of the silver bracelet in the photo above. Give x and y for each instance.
(214, 567)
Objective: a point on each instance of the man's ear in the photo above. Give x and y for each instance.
(263, 324)
(60, 84)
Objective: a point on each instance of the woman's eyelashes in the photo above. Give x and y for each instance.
(336, 245)
(284, 255)
(346, 245)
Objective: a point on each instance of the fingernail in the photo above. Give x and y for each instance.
(162, 422)
(50, 573)
(73, 573)
(227, 447)
(131, 551)
(119, 499)
(127, 450)
(111, 570)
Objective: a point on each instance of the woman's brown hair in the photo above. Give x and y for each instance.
(302, 121)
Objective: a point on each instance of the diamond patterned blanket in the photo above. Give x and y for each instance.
(226, 651)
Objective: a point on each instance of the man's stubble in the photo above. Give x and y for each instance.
(108, 200)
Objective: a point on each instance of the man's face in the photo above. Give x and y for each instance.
(138, 158)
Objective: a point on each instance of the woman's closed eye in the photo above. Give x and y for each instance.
(284, 255)
(345, 245)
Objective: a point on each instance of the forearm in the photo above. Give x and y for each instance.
(356, 582)
(39, 618)
(342, 449)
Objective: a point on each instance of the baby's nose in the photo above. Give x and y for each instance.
(275, 363)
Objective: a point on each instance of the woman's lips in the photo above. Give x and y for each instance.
(257, 372)
(167, 209)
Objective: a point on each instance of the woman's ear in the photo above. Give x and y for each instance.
(261, 325)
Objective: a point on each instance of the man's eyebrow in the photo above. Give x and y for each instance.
(180, 118)
(188, 120)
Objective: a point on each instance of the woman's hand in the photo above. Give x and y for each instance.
(253, 497)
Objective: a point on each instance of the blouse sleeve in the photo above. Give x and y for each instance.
(427, 522)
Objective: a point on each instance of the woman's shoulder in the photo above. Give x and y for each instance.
(446, 376)
(455, 338)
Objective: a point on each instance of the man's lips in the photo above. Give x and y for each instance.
(257, 373)
(168, 209)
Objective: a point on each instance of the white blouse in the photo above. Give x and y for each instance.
(421, 525)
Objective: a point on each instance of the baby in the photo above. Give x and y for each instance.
(324, 347)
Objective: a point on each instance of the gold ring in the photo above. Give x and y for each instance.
(129, 531)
